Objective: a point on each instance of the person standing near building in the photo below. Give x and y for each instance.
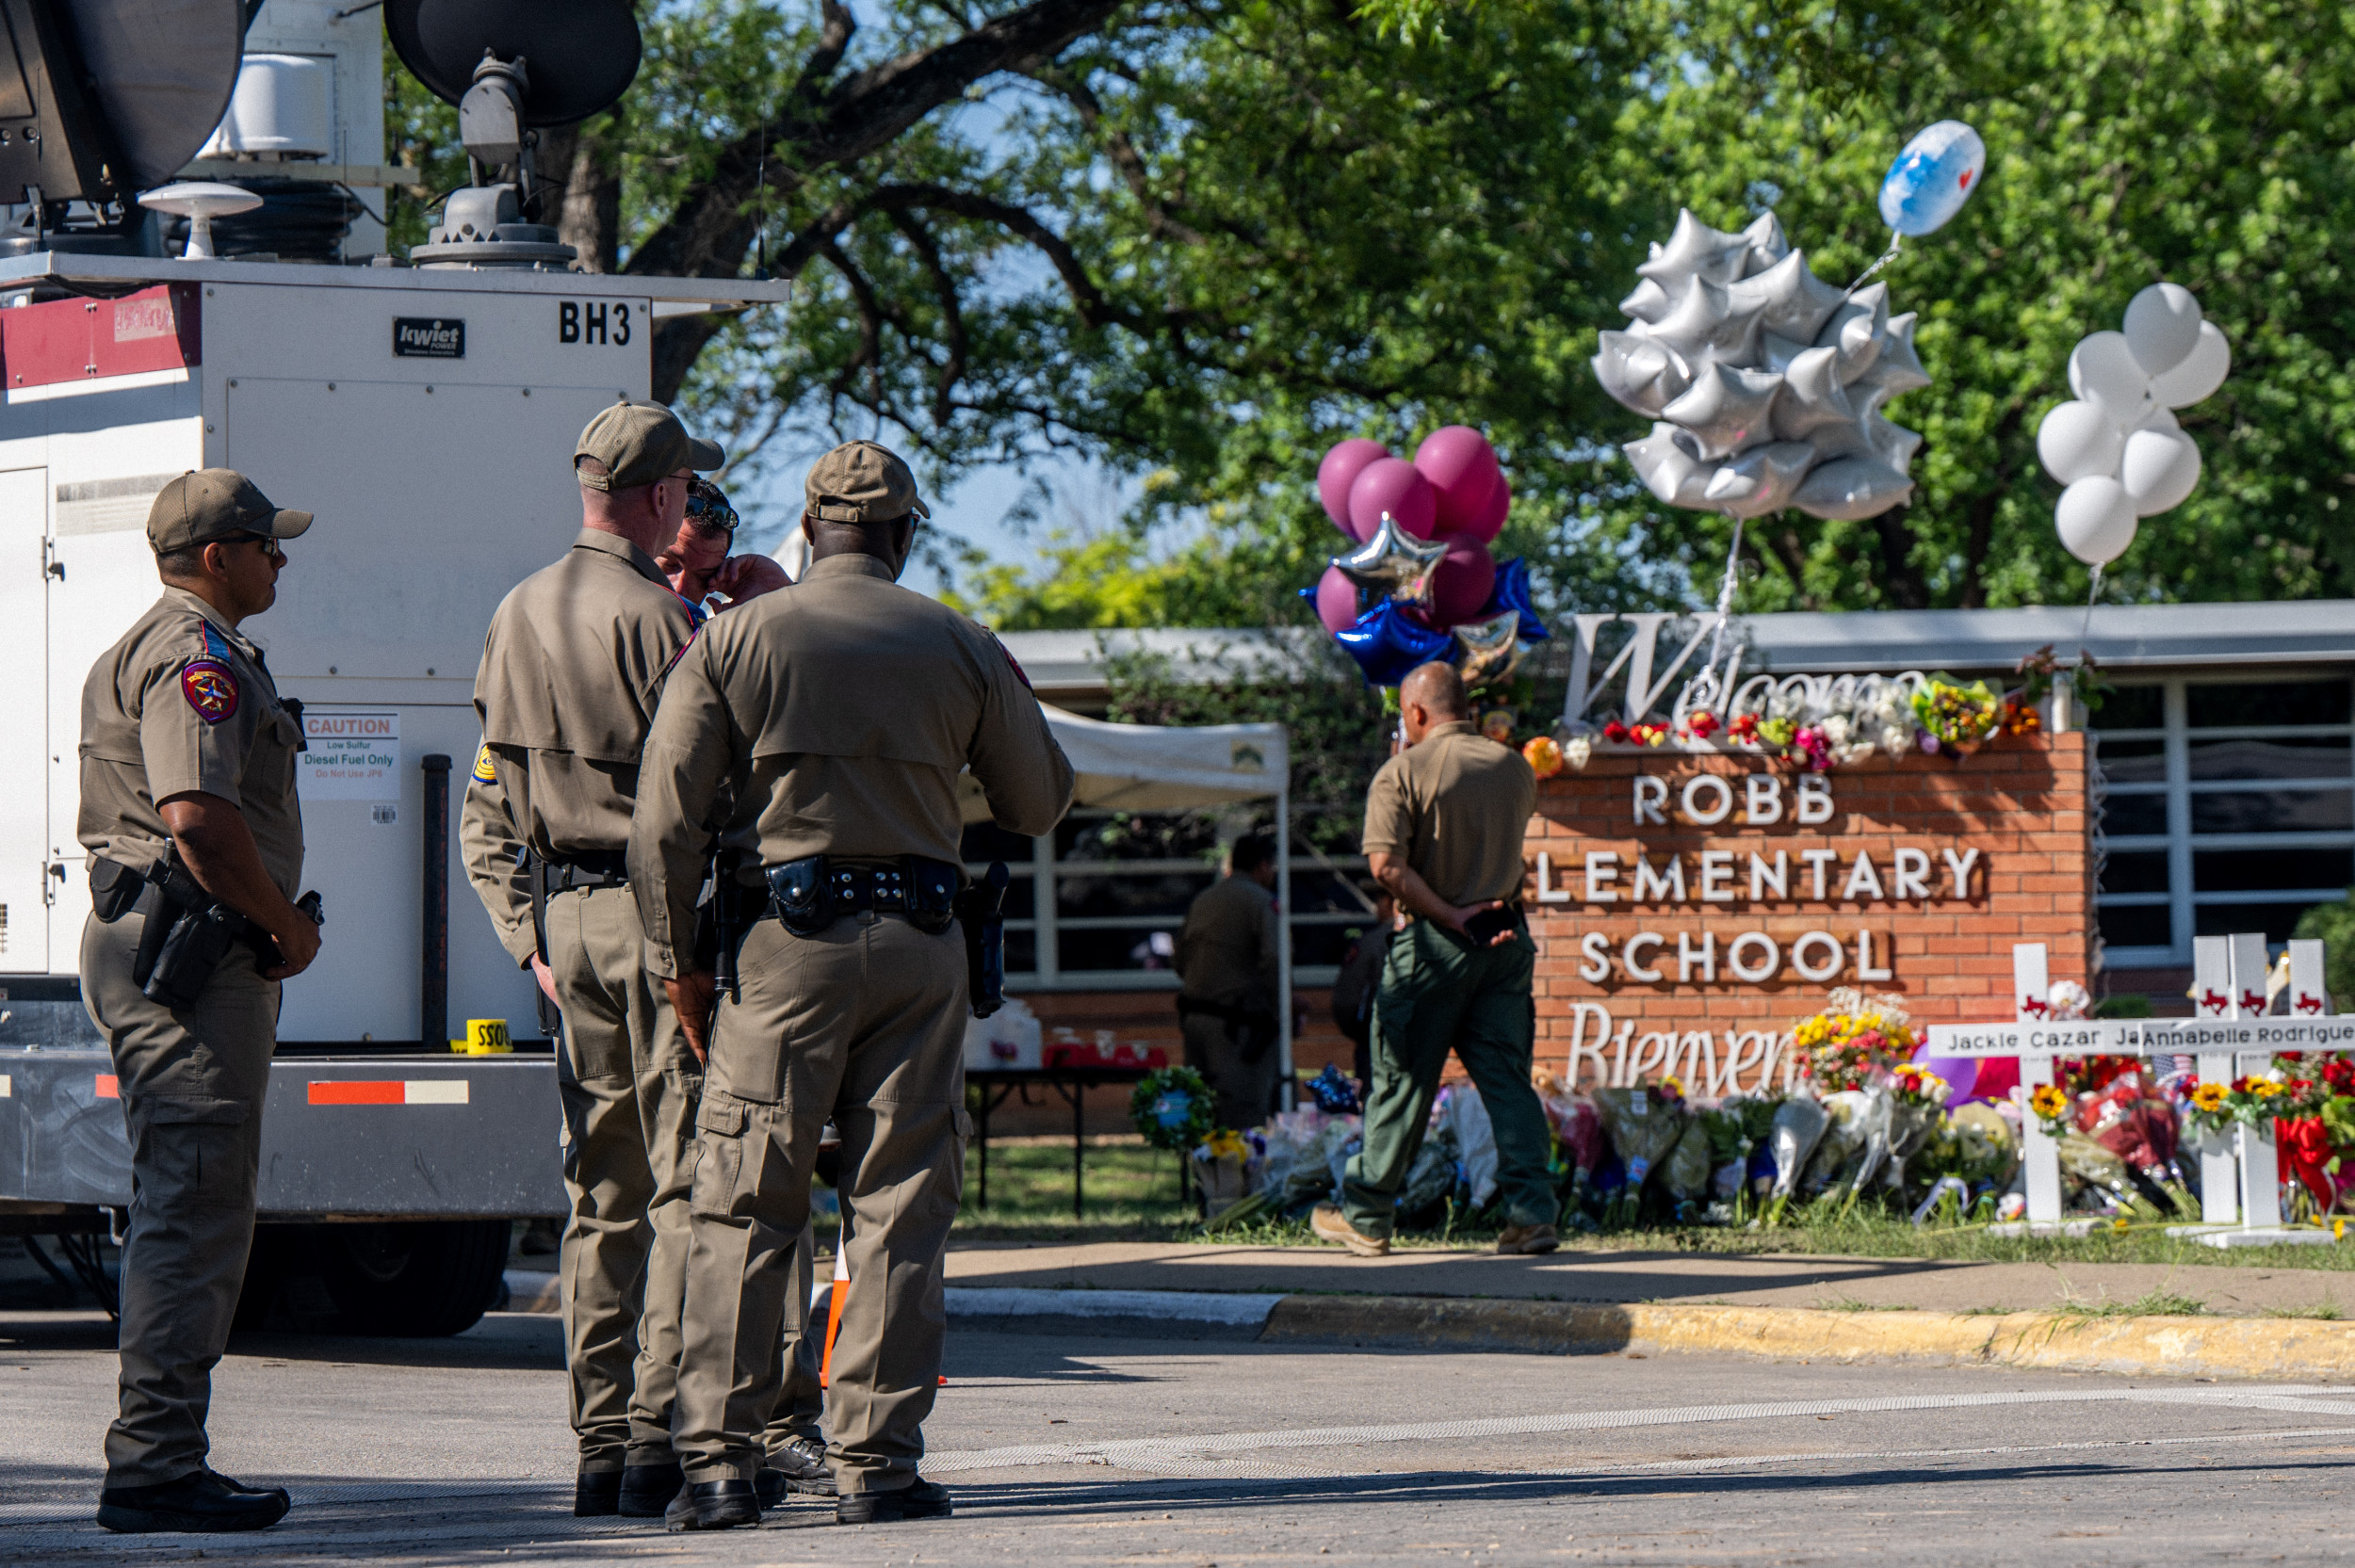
(1444, 823)
(1227, 972)
(819, 735)
(187, 765)
(1362, 973)
(572, 671)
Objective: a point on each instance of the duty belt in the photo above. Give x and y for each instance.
(588, 869)
(811, 894)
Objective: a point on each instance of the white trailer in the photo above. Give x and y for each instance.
(427, 415)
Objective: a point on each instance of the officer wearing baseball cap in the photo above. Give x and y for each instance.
(862, 703)
(571, 670)
(189, 812)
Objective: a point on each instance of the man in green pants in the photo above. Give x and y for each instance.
(1444, 820)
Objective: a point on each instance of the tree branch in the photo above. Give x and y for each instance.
(952, 312)
(1094, 309)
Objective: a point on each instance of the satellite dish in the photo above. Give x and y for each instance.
(579, 54)
(199, 201)
(161, 72)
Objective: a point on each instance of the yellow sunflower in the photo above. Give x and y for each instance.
(2049, 1101)
(2208, 1096)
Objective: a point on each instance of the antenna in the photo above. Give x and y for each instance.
(199, 201)
(511, 66)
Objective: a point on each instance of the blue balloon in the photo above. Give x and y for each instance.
(1932, 178)
(1512, 593)
(1386, 644)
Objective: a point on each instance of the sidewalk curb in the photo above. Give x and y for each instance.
(2287, 1350)
(2053, 1342)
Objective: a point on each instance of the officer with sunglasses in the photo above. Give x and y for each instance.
(189, 812)
(697, 560)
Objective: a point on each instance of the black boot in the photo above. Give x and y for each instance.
(647, 1489)
(717, 1505)
(199, 1500)
(597, 1493)
(799, 1466)
(922, 1501)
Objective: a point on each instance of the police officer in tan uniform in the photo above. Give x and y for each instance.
(1444, 824)
(1227, 971)
(819, 734)
(571, 670)
(188, 810)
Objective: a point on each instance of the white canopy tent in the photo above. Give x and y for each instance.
(1169, 768)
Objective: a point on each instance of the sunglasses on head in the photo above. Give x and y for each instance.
(707, 507)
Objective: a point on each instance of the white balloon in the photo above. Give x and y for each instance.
(2203, 371)
(2162, 324)
(2102, 369)
(2079, 439)
(2159, 469)
(2096, 520)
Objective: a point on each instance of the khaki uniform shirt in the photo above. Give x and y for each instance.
(1227, 950)
(572, 671)
(1456, 807)
(184, 704)
(832, 717)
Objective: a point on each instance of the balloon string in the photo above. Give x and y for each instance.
(1725, 592)
(1896, 239)
(2092, 594)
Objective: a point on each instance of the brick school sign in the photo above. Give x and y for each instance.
(1689, 908)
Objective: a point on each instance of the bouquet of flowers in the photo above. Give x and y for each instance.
(1170, 1106)
(1544, 756)
(1645, 1123)
(2128, 1117)
(1334, 1091)
(1798, 1125)
(1856, 1040)
(1577, 1128)
(2094, 1168)
(1298, 1170)
(1957, 716)
(1736, 1127)
(2243, 1103)
(1687, 1171)
(1840, 1154)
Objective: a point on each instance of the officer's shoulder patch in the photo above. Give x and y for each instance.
(1019, 673)
(211, 688)
(485, 767)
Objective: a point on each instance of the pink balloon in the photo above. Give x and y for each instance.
(1461, 586)
(1392, 485)
(1337, 600)
(1488, 520)
(1462, 467)
(1339, 471)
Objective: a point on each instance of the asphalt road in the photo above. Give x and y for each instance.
(1203, 1452)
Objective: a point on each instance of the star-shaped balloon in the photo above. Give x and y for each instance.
(1394, 564)
(1386, 642)
(1487, 651)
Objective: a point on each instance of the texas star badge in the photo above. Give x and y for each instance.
(485, 769)
(211, 690)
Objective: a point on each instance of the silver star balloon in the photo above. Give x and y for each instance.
(1394, 564)
(1768, 384)
(1488, 650)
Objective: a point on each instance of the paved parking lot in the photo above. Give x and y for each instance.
(1200, 1452)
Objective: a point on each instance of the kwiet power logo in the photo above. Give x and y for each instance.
(434, 339)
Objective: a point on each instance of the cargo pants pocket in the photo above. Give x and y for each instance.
(720, 1137)
(191, 1151)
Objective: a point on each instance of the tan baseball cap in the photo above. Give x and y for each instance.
(640, 444)
(206, 504)
(861, 482)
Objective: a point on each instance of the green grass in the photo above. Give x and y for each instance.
(1133, 1196)
(2151, 1303)
(2323, 1311)
(1850, 1303)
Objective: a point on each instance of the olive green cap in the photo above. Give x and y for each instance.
(205, 504)
(861, 482)
(640, 443)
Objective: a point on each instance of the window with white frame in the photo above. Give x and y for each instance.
(1096, 904)
(2230, 807)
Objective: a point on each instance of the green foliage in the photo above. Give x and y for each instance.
(2333, 924)
(1171, 1108)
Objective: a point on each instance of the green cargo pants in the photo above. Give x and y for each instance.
(1441, 993)
(192, 1084)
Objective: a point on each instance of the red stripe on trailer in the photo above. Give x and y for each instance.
(380, 1091)
(107, 1087)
